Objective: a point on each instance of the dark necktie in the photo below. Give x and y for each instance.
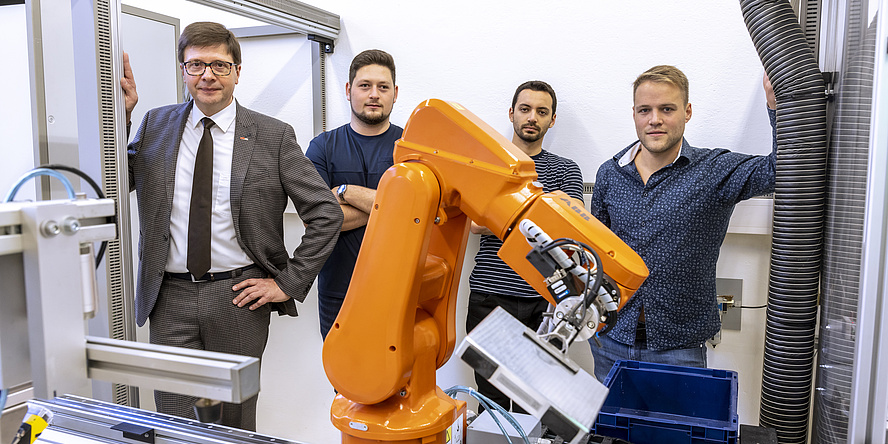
(201, 213)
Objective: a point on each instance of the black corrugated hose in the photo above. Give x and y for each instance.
(798, 215)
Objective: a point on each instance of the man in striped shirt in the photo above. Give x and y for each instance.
(492, 283)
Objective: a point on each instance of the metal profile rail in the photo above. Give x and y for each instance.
(201, 373)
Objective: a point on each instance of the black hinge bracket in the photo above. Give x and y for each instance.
(326, 43)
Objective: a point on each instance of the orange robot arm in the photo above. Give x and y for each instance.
(397, 325)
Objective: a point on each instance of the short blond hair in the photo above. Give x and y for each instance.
(663, 74)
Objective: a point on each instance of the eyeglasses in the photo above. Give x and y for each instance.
(198, 68)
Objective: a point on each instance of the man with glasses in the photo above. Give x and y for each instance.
(212, 180)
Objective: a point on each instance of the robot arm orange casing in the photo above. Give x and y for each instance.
(494, 183)
(450, 165)
(561, 216)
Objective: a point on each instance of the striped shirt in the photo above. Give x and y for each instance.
(491, 274)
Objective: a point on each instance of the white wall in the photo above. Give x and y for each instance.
(476, 53)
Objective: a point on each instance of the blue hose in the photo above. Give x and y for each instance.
(40, 172)
(493, 407)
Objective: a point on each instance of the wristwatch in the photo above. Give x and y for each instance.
(341, 193)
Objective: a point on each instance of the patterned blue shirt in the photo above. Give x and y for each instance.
(676, 223)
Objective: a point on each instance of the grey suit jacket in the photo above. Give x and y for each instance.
(267, 167)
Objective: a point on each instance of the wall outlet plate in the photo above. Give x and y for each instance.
(733, 287)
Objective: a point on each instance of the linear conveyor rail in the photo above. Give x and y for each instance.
(98, 421)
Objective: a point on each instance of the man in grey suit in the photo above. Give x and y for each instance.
(212, 180)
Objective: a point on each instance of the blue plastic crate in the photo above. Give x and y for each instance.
(664, 404)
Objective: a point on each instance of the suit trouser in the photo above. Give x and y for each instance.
(528, 310)
(200, 315)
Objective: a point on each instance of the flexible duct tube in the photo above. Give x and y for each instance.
(798, 215)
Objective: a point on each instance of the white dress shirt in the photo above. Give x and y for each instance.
(629, 157)
(225, 252)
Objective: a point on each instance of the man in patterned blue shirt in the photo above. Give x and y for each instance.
(492, 282)
(671, 202)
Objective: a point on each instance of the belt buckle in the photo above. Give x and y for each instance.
(195, 280)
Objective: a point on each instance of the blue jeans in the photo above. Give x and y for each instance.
(612, 351)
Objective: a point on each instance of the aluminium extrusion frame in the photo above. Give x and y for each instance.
(290, 14)
(63, 39)
(869, 389)
(49, 235)
(201, 373)
(40, 254)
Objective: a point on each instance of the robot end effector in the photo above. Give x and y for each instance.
(577, 310)
(586, 272)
